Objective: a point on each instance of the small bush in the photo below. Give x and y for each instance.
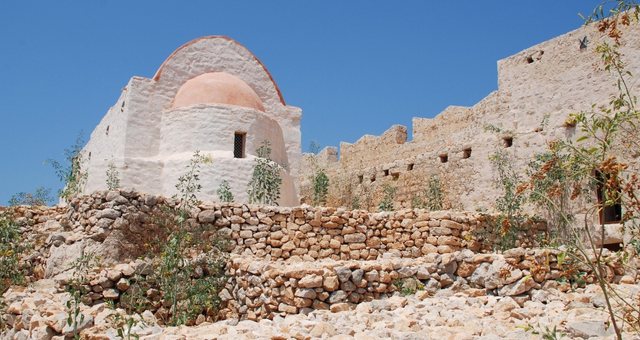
(42, 196)
(11, 248)
(264, 187)
(389, 193)
(320, 187)
(113, 177)
(70, 172)
(224, 192)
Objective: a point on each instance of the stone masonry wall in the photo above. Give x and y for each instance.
(121, 226)
(293, 260)
(537, 90)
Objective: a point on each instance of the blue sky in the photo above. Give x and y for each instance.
(354, 67)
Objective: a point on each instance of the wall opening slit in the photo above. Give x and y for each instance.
(239, 142)
(466, 153)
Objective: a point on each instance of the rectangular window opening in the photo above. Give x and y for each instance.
(507, 142)
(386, 172)
(444, 158)
(239, 142)
(466, 153)
(360, 178)
(410, 167)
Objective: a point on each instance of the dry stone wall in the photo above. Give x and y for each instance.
(295, 260)
(262, 289)
(123, 225)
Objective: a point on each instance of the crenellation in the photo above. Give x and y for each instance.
(538, 88)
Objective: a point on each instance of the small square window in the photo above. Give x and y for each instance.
(386, 172)
(466, 153)
(444, 158)
(410, 166)
(507, 142)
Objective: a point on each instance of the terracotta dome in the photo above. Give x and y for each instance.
(217, 88)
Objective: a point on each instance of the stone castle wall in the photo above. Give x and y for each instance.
(537, 90)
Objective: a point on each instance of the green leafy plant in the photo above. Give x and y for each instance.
(320, 187)
(264, 186)
(224, 192)
(70, 172)
(76, 287)
(408, 286)
(388, 196)
(433, 196)
(11, 247)
(41, 196)
(113, 176)
(355, 203)
(186, 292)
(510, 203)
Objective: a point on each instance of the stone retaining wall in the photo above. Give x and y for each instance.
(123, 225)
(280, 233)
(259, 289)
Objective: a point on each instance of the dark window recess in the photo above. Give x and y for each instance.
(611, 213)
(107, 132)
(360, 178)
(410, 167)
(238, 144)
(466, 153)
(373, 178)
(386, 172)
(507, 142)
(444, 158)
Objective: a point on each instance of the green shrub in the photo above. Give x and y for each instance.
(320, 187)
(42, 196)
(389, 193)
(224, 192)
(11, 248)
(264, 187)
(113, 177)
(70, 172)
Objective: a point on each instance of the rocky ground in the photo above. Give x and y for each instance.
(39, 312)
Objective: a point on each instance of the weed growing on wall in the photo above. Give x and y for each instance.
(355, 203)
(510, 202)
(77, 287)
(11, 247)
(71, 172)
(41, 196)
(113, 177)
(320, 187)
(264, 187)
(189, 285)
(224, 192)
(388, 196)
(432, 196)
